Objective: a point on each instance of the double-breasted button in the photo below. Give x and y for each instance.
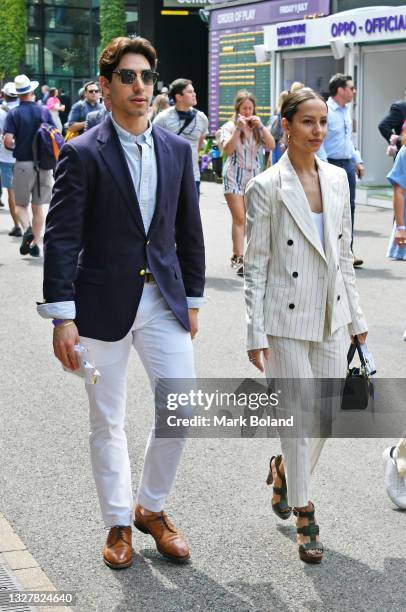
(290, 242)
(142, 272)
(295, 274)
(291, 306)
(340, 236)
(338, 298)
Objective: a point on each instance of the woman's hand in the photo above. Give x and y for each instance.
(400, 237)
(255, 122)
(361, 338)
(255, 357)
(240, 122)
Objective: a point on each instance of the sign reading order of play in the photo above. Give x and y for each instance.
(367, 25)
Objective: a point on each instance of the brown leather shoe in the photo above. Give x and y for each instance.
(170, 542)
(118, 550)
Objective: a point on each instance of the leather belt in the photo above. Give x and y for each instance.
(149, 277)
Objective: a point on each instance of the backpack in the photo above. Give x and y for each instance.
(70, 133)
(46, 146)
(275, 127)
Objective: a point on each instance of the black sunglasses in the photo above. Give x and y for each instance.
(93, 90)
(128, 76)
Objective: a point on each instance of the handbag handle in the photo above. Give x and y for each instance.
(351, 352)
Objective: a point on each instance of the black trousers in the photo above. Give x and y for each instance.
(349, 167)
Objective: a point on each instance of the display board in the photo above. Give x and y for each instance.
(233, 33)
(233, 67)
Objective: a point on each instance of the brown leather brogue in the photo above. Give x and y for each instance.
(118, 550)
(170, 542)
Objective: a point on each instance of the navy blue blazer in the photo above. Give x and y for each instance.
(95, 246)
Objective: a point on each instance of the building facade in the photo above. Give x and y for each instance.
(237, 59)
(64, 38)
(368, 43)
(63, 42)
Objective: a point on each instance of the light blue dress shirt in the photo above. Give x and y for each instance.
(139, 152)
(338, 143)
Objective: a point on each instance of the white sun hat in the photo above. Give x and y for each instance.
(23, 85)
(9, 90)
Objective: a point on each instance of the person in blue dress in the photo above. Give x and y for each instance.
(397, 177)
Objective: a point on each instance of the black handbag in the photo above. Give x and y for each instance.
(358, 387)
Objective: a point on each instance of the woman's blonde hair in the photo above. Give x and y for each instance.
(282, 97)
(160, 103)
(242, 96)
(296, 85)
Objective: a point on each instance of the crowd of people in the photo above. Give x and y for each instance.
(145, 287)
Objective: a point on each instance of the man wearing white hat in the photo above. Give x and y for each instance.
(20, 128)
(7, 160)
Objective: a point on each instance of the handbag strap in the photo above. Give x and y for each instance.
(355, 346)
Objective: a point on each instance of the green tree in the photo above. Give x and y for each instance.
(13, 33)
(112, 20)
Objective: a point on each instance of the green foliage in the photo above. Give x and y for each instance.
(13, 31)
(112, 20)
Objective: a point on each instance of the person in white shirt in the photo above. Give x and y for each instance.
(185, 121)
(7, 161)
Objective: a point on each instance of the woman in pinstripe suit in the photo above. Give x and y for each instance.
(300, 290)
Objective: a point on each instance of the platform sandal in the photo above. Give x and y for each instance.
(308, 552)
(281, 508)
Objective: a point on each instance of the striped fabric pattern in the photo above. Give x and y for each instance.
(292, 285)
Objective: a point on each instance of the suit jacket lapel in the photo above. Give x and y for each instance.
(163, 168)
(114, 158)
(332, 208)
(293, 196)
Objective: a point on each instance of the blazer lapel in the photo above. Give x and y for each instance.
(114, 158)
(332, 208)
(163, 168)
(293, 196)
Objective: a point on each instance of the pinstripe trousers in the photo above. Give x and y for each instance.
(301, 359)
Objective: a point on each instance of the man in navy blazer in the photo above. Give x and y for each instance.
(124, 265)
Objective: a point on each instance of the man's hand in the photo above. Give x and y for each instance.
(65, 338)
(255, 357)
(361, 338)
(400, 237)
(359, 169)
(193, 314)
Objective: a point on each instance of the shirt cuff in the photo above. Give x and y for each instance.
(357, 158)
(195, 302)
(57, 310)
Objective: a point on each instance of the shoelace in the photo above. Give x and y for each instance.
(120, 532)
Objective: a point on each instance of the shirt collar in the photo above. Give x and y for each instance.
(144, 138)
(334, 106)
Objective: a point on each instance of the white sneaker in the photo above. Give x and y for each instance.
(394, 484)
(399, 455)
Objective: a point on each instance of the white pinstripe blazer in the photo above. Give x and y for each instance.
(292, 285)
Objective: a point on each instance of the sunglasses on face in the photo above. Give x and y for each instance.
(93, 90)
(128, 76)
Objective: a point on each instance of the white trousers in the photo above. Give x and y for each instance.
(165, 350)
(291, 358)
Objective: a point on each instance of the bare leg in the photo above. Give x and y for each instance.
(38, 219)
(23, 216)
(12, 207)
(237, 208)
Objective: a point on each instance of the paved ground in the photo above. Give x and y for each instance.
(243, 558)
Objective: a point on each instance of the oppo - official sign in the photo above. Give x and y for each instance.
(356, 26)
